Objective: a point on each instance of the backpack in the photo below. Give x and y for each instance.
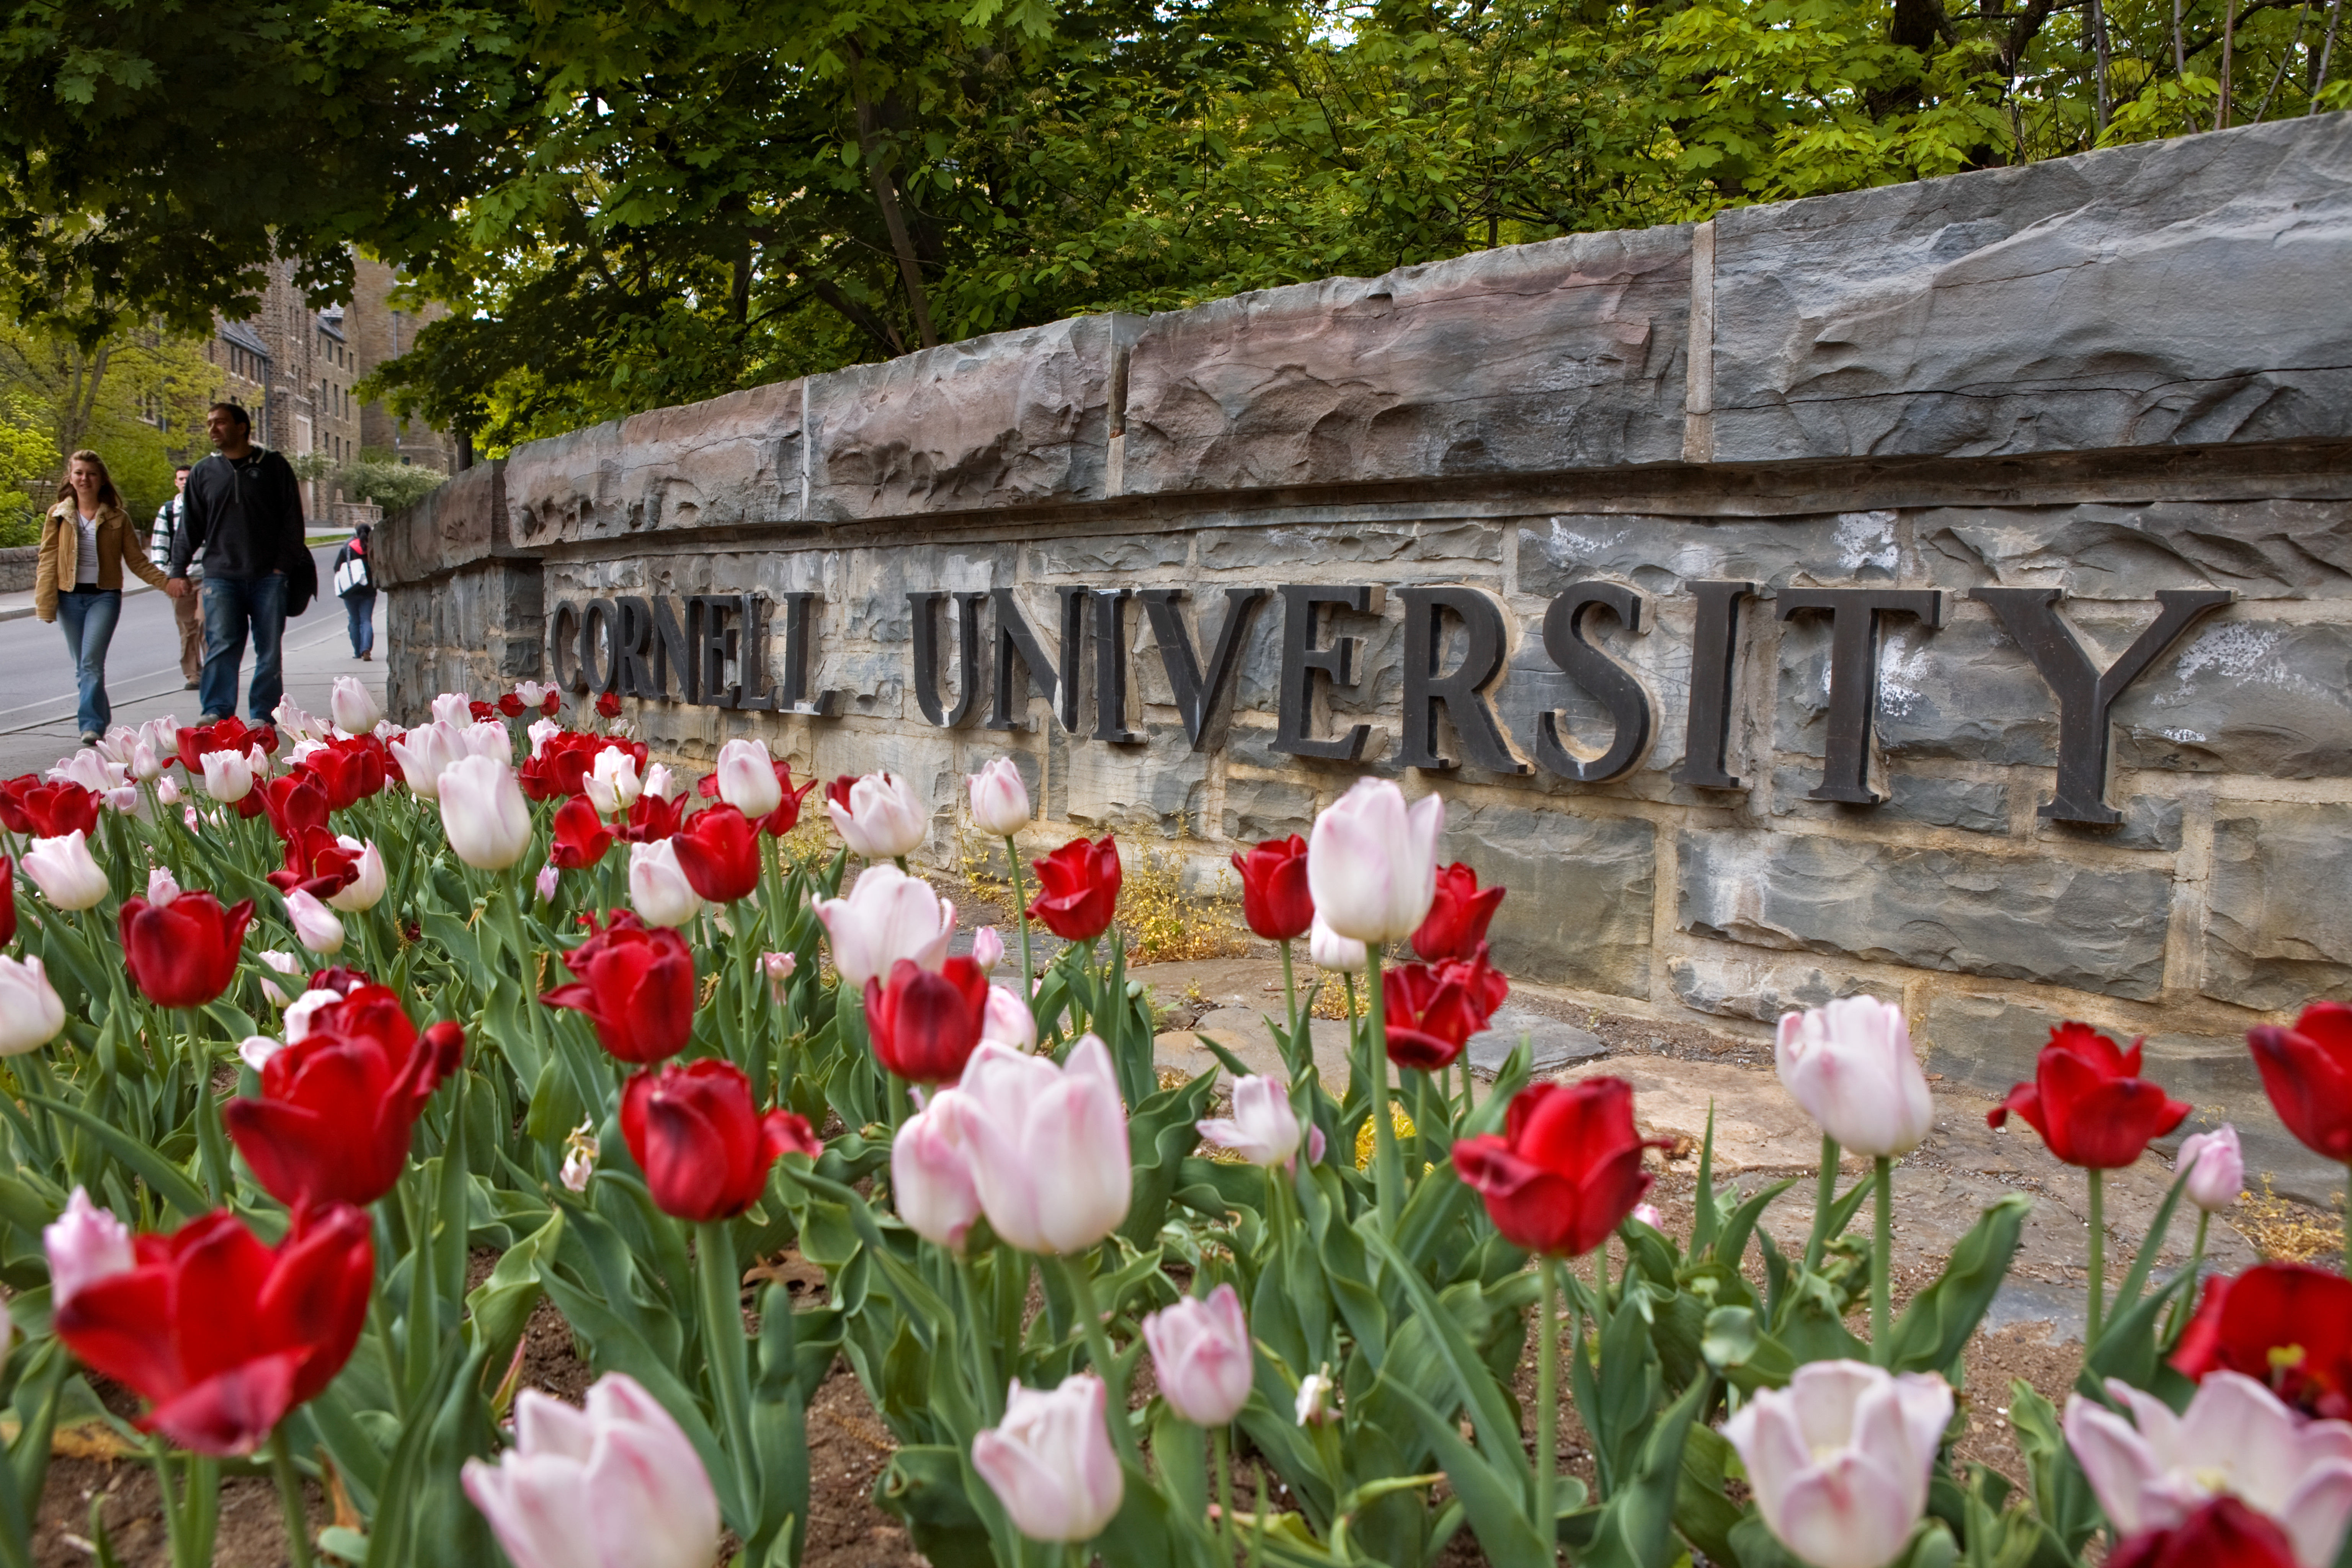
(351, 573)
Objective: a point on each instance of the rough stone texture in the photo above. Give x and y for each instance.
(2087, 302)
(1552, 1043)
(2092, 928)
(2150, 822)
(1965, 693)
(2243, 695)
(1582, 889)
(1258, 809)
(1974, 805)
(1990, 1041)
(1012, 419)
(456, 524)
(2280, 931)
(1744, 988)
(1566, 354)
(2127, 550)
(730, 461)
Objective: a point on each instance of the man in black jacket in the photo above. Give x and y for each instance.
(245, 512)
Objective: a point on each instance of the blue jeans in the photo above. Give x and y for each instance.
(361, 607)
(232, 605)
(89, 615)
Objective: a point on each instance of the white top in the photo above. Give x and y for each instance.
(86, 564)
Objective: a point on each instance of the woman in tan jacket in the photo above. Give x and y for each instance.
(85, 541)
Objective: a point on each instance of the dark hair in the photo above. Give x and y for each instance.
(234, 412)
(183, 467)
(106, 491)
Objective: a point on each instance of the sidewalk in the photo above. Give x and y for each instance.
(17, 606)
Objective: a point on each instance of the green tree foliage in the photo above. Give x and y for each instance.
(136, 398)
(393, 486)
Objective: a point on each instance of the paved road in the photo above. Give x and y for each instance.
(143, 674)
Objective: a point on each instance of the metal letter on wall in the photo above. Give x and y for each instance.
(675, 651)
(800, 653)
(634, 636)
(1714, 655)
(716, 645)
(1015, 643)
(1854, 674)
(599, 624)
(752, 692)
(562, 637)
(1302, 661)
(1464, 694)
(1609, 683)
(2084, 695)
(1205, 703)
(925, 610)
(1111, 667)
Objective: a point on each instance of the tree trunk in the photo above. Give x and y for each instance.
(886, 197)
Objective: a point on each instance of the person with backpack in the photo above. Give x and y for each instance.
(85, 541)
(355, 585)
(168, 518)
(245, 512)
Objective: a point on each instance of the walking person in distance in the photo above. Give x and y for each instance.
(85, 541)
(243, 511)
(168, 519)
(355, 585)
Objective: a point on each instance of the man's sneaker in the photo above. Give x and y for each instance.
(89, 737)
(191, 685)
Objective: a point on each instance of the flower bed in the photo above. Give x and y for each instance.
(306, 1017)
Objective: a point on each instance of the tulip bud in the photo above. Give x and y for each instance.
(2217, 1170)
(85, 1244)
(258, 763)
(1050, 1462)
(661, 780)
(1851, 1066)
(658, 889)
(162, 888)
(930, 1172)
(484, 814)
(987, 948)
(167, 793)
(1263, 1129)
(1648, 1214)
(188, 816)
(539, 732)
(1840, 1459)
(229, 776)
(546, 882)
(303, 1009)
(778, 967)
(490, 741)
(1340, 954)
(615, 1485)
(315, 925)
(1318, 1400)
(353, 706)
(747, 778)
(1000, 801)
(1006, 1019)
(284, 963)
(1049, 1145)
(367, 890)
(31, 1012)
(612, 782)
(1371, 861)
(1201, 1357)
(454, 709)
(887, 915)
(880, 816)
(67, 873)
(145, 765)
(579, 1157)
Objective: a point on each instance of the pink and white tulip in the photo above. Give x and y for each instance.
(887, 916)
(884, 818)
(2216, 1167)
(1851, 1066)
(353, 706)
(1048, 1145)
(658, 889)
(1201, 1357)
(425, 753)
(1371, 861)
(612, 782)
(1263, 1129)
(616, 1485)
(747, 778)
(229, 776)
(365, 891)
(484, 814)
(1839, 1460)
(1000, 801)
(31, 1011)
(1050, 1462)
(931, 1179)
(315, 925)
(85, 1245)
(1007, 1020)
(64, 870)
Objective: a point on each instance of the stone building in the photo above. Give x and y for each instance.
(380, 332)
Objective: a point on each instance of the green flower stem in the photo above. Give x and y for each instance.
(1290, 1000)
(984, 1355)
(210, 1139)
(1078, 1275)
(1881, 1263)
(1547, 1463)
(1388, 1169)
(1822, 1204)
(723, 1351)
(1021, 912)
(1220, 1457)
(2098, 1259)
(2196, 1255)
(289, 1494)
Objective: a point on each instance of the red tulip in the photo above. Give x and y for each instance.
(651, 820)
(266, 739)
(562, 764)
(636, 984)
(221, 1334)
(705, 1153)
(340, 978)
(927, 1024)
(1566, 1169)
(1432, 1009)
(2288, 1325)
(581, 836)
(336, 1105)
(2224, 1533)
(482, 711)
(47, 809)
(2089, 1103)
(229, 735)
(1455, 925)
(183, 953)
(719, 850)
(2307, 1071)
(1077, 888)
(294, 801)
(511, 705)
(12, 802)
(787, 816)
(608, 705)
(316, 862)
(347, 771)
(1274, 899)
(8, 900)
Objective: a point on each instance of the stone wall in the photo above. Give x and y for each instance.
(2118, 375)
